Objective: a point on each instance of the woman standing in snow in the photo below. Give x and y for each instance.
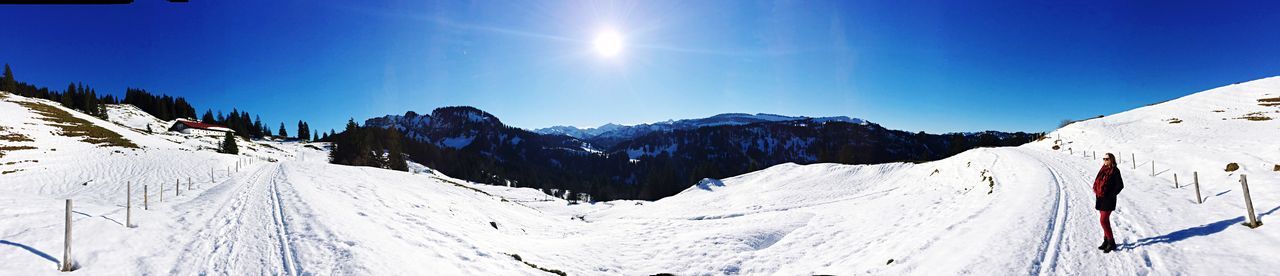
(1105, 187)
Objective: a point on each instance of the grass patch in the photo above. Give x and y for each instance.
(9, 172)
(4, 148)
(1269, 101)
(5, 135)
(548, 270)
(1174, 121)
(7, 148)
(1255, 116)
(463, 186)
(76, 127)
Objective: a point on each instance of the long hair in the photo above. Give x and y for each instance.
(1112, 158)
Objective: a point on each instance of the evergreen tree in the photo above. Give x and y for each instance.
(283, 134)
(68, 97)
(8, 83)
(303, 131)
(257, 127)
(343, 147)
(229, 144)
(315, 135)
(395, 156)
(208, 117)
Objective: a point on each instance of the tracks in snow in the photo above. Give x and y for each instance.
(248, 224)
(282, 229)
(1051, 244)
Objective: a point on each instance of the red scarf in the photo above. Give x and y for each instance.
(1100, 183)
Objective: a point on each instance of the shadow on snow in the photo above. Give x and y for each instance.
(29, 249)
(1202, 230)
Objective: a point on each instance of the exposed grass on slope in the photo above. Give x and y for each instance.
(554, 271)
(6, 136)
(76, 127)
(1255, 116)
(1269, 101)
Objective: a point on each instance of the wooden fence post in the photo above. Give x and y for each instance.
(1196, 178)
(1134, 157)
(128, 205)
(1248, 204)
(1153, 167)
(177, 190)
(66, 242)
(188, 183)
(146, 202)
(1175, 181)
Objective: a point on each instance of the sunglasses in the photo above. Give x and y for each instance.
(1106, 159)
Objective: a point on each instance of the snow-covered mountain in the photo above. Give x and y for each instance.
(656, 160)
(613, 132)
(1006, 210)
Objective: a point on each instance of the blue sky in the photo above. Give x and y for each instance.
(936, 66)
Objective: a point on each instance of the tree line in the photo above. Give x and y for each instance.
(368, 146)
(164, 107)
(77, 96)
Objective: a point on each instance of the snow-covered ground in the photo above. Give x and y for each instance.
(1014, 210)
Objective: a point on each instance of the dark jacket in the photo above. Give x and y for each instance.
(1110, 189)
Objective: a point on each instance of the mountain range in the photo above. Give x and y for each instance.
(650, 161)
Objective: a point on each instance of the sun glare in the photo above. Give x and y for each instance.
(608, 43)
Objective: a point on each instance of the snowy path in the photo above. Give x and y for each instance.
(247, 225)
(1053, 236)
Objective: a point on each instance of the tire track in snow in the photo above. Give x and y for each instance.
(1052, 242)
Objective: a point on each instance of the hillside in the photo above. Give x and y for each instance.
(1006, 210)
(653, 161)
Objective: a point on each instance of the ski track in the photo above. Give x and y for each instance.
(1051, 244)
(282, 229)
(249, 214)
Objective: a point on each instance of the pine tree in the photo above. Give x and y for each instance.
(208, 117)
(395, 156)
(257, 127)
(283, 134)
(302, 131)
(229, 144)
(68, 98)
(8, 83)
(315, 135)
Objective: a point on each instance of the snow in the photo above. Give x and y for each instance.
(457, 142)
(1009, 210)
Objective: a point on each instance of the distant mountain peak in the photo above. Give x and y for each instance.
(623, 131)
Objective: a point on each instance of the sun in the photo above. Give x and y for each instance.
(608, 43)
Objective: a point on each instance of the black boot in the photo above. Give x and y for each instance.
(1104, 245)
(1108, 246)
